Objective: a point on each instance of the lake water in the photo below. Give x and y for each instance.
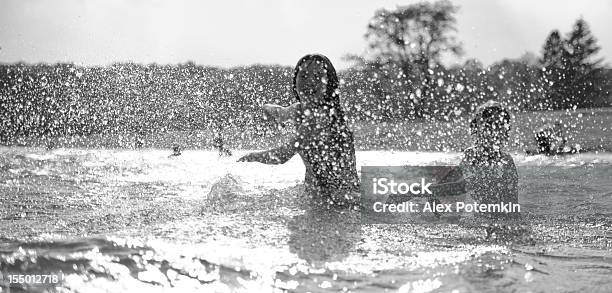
(140, 221)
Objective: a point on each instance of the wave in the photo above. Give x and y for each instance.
(84, 265)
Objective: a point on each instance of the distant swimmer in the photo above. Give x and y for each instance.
(139, 143)
(176, 151)
(552, 140)
(221, 147)
(50, 145)
(323, 139)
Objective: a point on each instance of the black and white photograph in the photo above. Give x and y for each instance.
(405, 146)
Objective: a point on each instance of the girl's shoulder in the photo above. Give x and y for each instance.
(295, 111)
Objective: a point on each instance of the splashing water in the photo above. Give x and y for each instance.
(140, 221)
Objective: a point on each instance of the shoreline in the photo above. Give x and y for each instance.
(587, 128)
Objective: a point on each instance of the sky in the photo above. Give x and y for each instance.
(230, 33)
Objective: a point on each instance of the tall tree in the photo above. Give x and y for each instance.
(414, 38)
(572, 75)
(554, 64)
(583, 72)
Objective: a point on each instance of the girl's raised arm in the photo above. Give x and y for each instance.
(280, 114)
(276, 156)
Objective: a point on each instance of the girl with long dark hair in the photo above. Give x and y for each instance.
(323, 139)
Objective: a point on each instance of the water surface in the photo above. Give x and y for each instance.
(140, 221)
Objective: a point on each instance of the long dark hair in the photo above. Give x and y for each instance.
(490, 112)
(332, 99)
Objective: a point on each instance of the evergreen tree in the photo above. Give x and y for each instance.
(583, 72)
(553, 72)
(571, 74)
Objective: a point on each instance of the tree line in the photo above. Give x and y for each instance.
(406, 46)
(401, 77)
